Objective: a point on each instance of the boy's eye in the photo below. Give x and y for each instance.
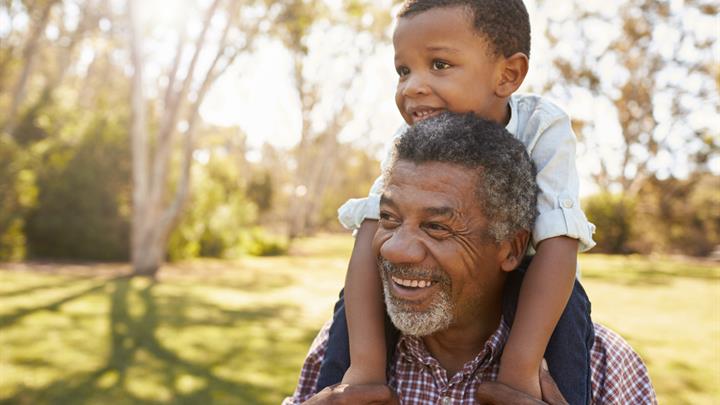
(440, 65)
(402, 70)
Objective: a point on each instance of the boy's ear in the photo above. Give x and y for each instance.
(512, 251)
(514, 70)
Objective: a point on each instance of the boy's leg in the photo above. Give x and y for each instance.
(337, 355)
(568, 352)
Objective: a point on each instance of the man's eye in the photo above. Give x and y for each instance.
(402, 71)
(387, 220)
(440, 65)
(436, 228)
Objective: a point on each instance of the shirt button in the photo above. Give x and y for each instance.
(567, 203)
(446, 401)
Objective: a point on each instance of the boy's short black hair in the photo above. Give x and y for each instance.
(505, 23)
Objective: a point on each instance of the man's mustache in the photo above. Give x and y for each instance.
(413, 272)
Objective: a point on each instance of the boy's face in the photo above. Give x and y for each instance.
(444, 64)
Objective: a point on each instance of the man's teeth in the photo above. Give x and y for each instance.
(412, 283)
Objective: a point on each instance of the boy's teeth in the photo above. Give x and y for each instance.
(412, 283)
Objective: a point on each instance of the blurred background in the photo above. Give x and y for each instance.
(170, 172)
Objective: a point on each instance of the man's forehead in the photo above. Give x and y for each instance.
(406, 171)
(439, 184)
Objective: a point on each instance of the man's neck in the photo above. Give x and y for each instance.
(462, 342)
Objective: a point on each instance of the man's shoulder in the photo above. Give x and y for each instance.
(611, 343)
(617, 372)
(310, 371)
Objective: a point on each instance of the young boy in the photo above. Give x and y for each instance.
(471, 56)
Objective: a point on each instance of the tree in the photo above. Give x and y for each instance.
(317, 150)
(647, 65)
(153, 216)
(82, 211)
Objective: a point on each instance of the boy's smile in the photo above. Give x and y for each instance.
(444, 63)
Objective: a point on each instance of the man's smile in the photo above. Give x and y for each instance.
(403, 289)
(413, 286)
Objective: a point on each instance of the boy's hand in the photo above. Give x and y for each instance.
(363, 375)
(344, 394)
(495, 393)
(516, 379)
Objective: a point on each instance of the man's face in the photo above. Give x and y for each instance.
(443, 64)
(438, 265)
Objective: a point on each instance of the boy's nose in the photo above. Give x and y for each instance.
(403, 247)
(415, 85)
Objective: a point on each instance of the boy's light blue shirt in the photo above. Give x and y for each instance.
(545, 130)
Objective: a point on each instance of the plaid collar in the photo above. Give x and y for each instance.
(413, 349)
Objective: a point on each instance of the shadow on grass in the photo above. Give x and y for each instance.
(35, 288)
(137, 347)
(7, 320)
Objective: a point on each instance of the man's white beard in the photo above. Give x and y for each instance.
(438, 316)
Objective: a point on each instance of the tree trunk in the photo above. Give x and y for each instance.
(29, 54)
(153, 216)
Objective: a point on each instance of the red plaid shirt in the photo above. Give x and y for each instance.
(618, 374)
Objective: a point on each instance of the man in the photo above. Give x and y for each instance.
(455, 216)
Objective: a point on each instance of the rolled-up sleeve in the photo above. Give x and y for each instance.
(559, 208)
(355, 210)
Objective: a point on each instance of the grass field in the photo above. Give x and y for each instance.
(236, 332)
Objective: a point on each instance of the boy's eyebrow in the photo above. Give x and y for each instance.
(436, 48)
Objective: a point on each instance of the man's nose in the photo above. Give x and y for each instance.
(416, 85)
(403, 247)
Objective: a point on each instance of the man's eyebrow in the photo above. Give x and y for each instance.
(440, 211)
(434, 211)
(384, 199)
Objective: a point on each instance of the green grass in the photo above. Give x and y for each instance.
(232, 332)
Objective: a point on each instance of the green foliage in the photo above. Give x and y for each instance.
(355, 173)
(18, 193)
(261, 190)
(29, 129)
(680, 216)
(671, 216)
(612, 214)
(83, 203)
(260, 243)
(216, 216)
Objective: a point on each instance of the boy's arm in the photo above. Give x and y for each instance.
(364, 311)
(364, 308)
(543, 296)
(560, 229)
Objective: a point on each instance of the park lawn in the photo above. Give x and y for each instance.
(229, 332)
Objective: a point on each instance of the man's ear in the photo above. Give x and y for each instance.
(514, 70)
(512, 251)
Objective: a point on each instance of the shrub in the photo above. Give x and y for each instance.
(612, 214)
(83, 209)
(260, 243)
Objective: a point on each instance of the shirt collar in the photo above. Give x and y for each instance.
(413, 349)
(512, 125)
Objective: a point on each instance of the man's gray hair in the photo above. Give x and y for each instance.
(506, 190)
